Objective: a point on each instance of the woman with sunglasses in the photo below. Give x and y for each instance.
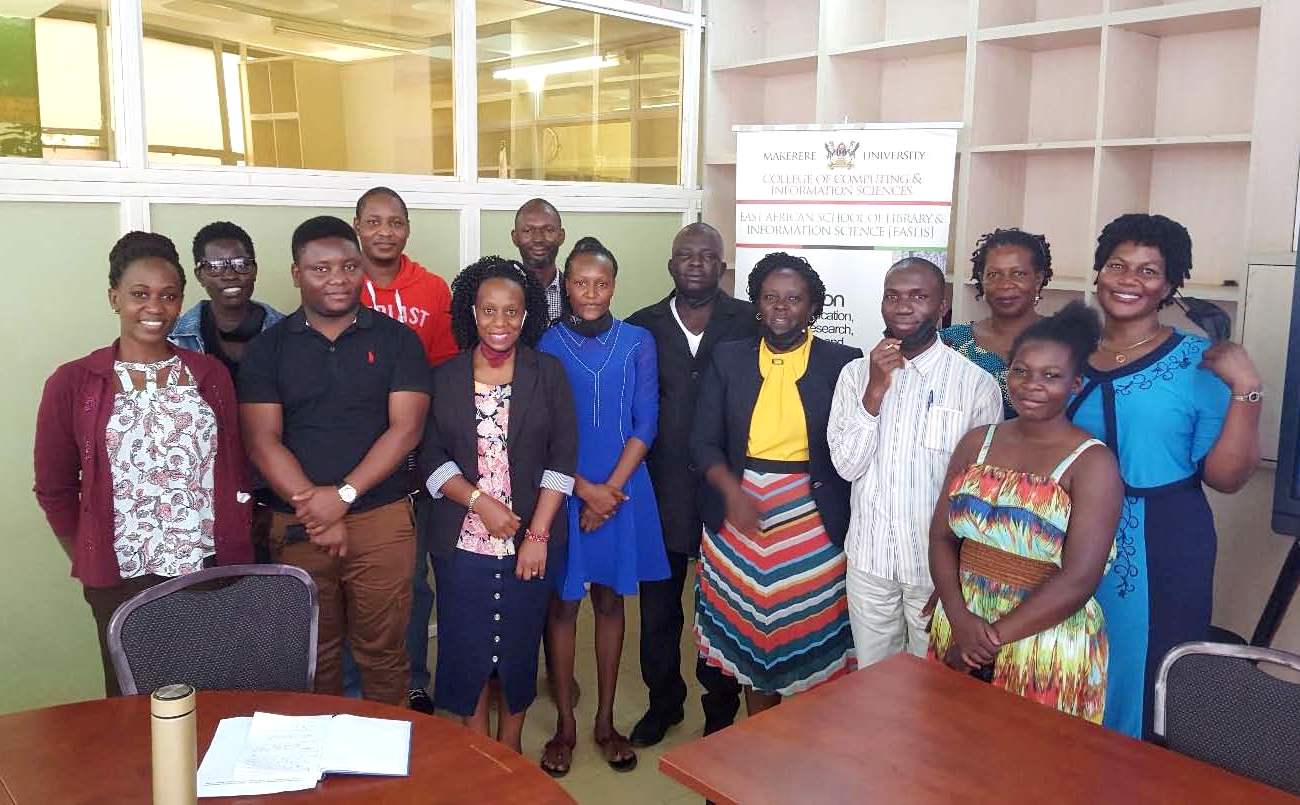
(226, 267)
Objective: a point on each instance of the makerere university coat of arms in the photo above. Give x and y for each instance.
(840, 155)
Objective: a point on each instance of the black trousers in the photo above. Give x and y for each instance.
(662, 620)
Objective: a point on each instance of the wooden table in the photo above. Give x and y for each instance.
(99, 752)
(911, 731)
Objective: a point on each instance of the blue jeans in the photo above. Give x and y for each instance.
(417, 631)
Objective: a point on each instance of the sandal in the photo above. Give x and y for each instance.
(557, 757)
(618, 752)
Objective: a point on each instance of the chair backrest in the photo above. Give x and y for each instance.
(1214, 703)
(221, 628)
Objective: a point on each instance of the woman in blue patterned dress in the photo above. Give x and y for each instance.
(1178, 413)
(1010, 268)
(615, 537)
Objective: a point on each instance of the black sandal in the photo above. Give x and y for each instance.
(617, 742)
(565, 749)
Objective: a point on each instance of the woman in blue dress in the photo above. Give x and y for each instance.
(616, 540)
(1010, 268)
(1178, 413)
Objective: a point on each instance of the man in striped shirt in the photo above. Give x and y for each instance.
(897, 414)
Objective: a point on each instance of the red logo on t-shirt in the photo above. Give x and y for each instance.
(370, 356)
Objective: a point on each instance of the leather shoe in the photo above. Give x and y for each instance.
(652, 727)
(419, 701)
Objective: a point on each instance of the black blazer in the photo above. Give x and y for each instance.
(542, 435)
(677, 480)
(726, 406)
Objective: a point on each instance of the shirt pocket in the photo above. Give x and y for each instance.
(943, 428)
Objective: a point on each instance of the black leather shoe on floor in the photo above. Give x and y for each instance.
(652, 727)
(419, 700)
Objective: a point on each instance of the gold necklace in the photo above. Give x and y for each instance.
(1122, 358)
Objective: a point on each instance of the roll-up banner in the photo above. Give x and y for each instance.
(851, 199)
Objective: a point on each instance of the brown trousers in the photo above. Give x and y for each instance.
(103, 602)
(365, 596)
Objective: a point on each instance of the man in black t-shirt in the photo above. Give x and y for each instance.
(332, 400)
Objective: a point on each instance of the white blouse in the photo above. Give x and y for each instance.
(162, 445)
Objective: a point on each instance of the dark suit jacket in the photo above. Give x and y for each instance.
(677, 480)
(542, 435)
(726, 406)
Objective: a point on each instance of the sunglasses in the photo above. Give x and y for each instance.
(215, 268)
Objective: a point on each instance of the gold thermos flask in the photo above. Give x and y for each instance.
(175, 745)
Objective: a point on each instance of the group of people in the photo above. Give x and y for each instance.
(1021, 497)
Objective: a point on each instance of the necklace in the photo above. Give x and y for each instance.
(1122, 358)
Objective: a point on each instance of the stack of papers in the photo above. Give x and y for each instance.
(269, 753)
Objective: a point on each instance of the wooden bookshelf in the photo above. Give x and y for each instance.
(1073, 112)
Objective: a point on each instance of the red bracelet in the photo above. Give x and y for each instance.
(536, 536)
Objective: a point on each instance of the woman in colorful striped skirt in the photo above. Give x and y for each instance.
(770, 604)
(1020, 541)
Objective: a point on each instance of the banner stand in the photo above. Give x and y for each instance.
(852, 199)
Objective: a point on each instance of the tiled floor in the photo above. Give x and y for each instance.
(590, 780)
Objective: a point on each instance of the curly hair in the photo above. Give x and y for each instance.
(1076, 326)
(464, 293)
(138, 246)
(1165, 234)
(777, 261)
(221, 230)
(1040, 253)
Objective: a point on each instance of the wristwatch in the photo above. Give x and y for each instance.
(348, 493)
(1249, 397)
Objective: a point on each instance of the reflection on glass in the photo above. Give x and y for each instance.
(54, 100)
(322, 84)
(572, 95)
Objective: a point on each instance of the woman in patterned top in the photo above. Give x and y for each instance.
(1020, 541)
(1179, 413)
(499, 453)
(139, 463)
(1010, 269)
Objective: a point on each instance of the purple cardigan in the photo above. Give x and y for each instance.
(73, 478)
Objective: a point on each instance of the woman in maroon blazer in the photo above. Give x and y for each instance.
(139, 464)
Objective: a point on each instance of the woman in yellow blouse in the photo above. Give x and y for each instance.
(770, 606)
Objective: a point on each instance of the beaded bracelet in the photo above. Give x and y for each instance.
(537, 536)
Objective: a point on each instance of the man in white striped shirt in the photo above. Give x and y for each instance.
(895, 419)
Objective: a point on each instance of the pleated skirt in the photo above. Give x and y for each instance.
(770, 607)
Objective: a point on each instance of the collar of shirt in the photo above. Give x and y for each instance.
(927, 360)
(365, 318)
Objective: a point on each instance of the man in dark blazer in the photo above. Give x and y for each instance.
(686, 326)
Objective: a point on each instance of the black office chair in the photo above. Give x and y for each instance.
(249, 627)
(1214, 703)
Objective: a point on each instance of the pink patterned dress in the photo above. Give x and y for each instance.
(162, 444)
(492, 415)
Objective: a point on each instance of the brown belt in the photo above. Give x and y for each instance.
(1002, 566)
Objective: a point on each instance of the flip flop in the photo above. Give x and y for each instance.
(612, 747)
(562, 748)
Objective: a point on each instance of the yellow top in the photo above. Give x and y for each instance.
(778, 430)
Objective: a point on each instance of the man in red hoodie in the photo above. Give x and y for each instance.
(403, 289)
(395, 284)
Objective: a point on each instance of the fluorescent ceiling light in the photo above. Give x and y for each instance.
(533, 72)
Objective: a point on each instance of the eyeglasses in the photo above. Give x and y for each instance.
(215, 268)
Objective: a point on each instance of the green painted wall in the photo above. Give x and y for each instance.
(642, 242)
(57, 311)
(435, 239)
(48, 653)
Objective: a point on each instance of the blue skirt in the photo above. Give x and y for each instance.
(489, 624)
(625, 551)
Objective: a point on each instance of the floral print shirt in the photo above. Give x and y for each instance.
(162, 445)
(492, 414)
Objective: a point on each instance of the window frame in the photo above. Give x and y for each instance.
(135, 184)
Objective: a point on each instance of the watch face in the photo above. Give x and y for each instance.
(348, 493)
